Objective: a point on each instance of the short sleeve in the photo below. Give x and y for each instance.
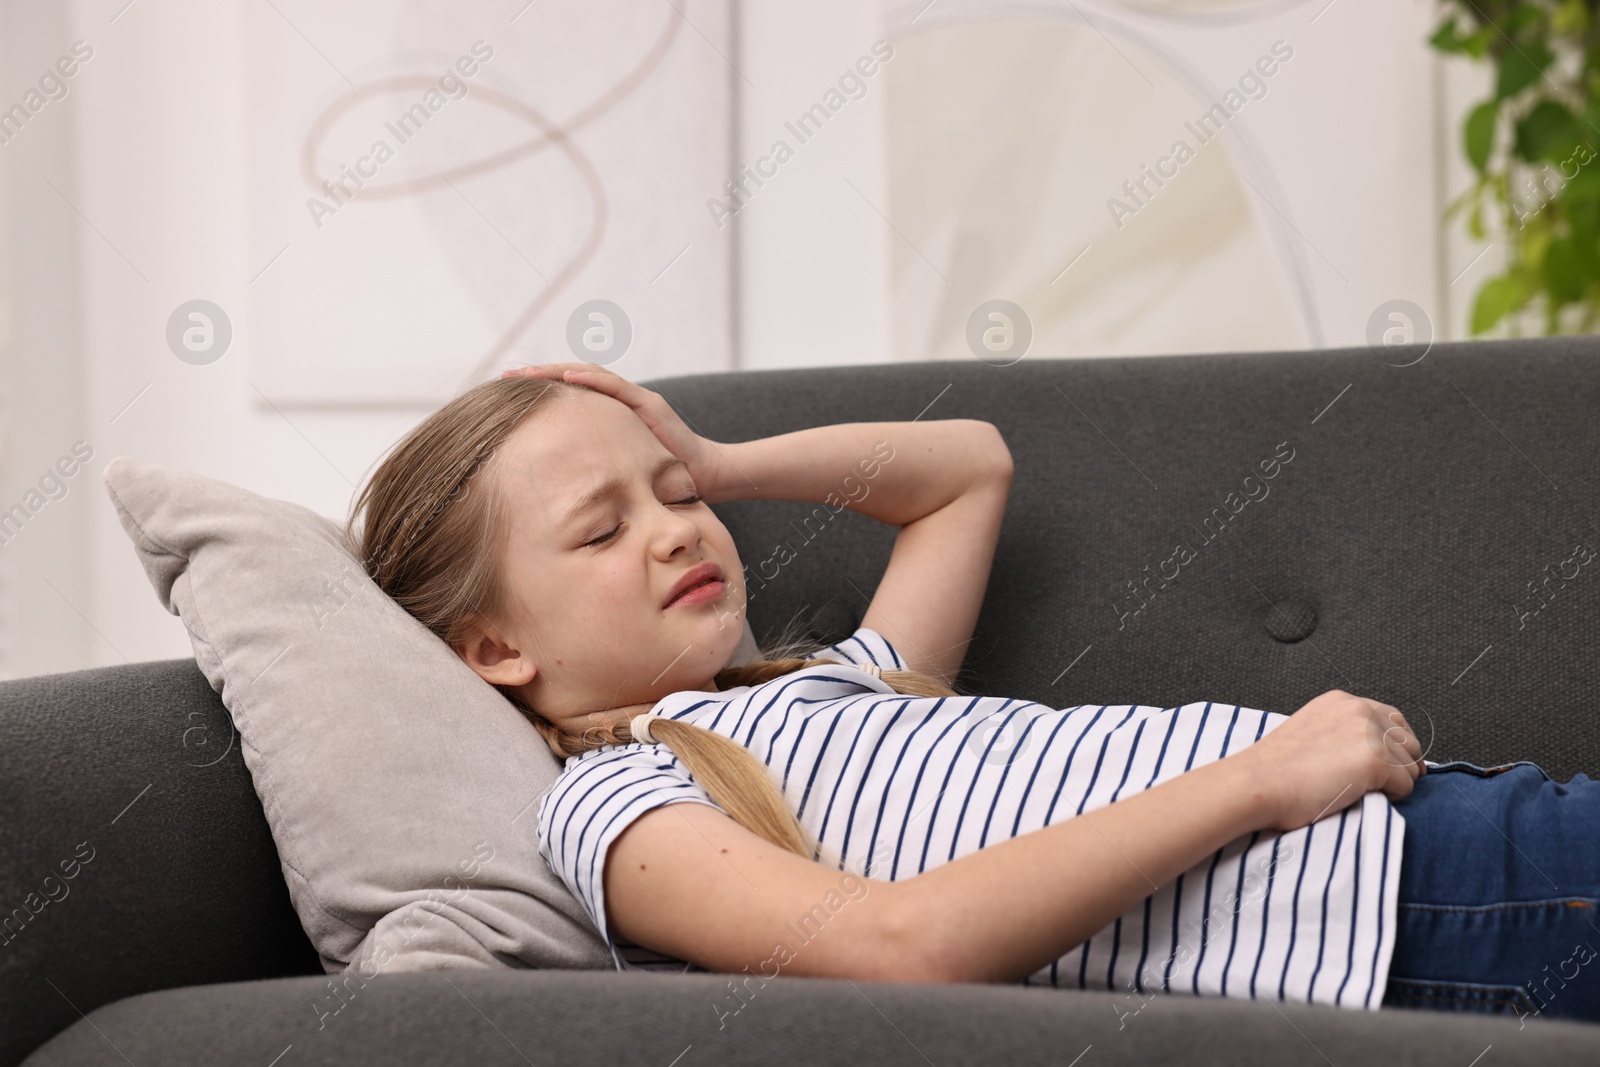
(598, 795)
(863, 647)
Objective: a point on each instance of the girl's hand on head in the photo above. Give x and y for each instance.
(707, 465)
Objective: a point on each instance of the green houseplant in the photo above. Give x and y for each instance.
(1533, 145)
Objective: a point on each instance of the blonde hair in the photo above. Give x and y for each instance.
(431, 540)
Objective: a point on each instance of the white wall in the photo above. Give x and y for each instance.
(153, 147)
(44, 584)
(148, 147)
(813, 248)
(162, 175)
(1332, 174)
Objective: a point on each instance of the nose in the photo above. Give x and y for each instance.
(677, 530)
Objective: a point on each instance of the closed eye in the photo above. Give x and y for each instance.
(603, 538)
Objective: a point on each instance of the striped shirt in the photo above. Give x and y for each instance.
(891, 786)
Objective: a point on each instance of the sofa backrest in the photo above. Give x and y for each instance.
(1429, 535)
(1250, 529)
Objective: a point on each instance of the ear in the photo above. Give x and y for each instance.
(494, 659)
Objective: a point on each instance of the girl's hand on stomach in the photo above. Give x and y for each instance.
(1332, 752)
(706, 463)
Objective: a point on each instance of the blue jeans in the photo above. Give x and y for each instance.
(1499, 894)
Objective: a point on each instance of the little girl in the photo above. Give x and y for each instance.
(848, 813)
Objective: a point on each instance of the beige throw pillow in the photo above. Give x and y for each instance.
(398, 785)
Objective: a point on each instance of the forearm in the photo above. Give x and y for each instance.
(895, 472)
(1003, 912)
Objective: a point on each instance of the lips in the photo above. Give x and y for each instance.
(706, 572)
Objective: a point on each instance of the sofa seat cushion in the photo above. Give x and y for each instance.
(546, 1017)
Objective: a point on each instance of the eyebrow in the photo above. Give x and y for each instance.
(607, 488)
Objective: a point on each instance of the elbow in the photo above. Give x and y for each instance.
(1001, 465)
(914, 942)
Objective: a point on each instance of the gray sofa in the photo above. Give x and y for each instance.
(1396, 556)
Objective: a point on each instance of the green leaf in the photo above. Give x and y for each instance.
(1583, 213)
(1563, 271)
(1536, 239)
(1498, 298)
(1549, 131)
(1480, 133)
(1583, 239)
(1582, 174)
(1523, 17)
(1477, 44)
(1446, 39)
(1571, 18)
(1494, 300)
(1520, 67)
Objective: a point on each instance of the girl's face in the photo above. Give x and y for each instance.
(588, 581)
